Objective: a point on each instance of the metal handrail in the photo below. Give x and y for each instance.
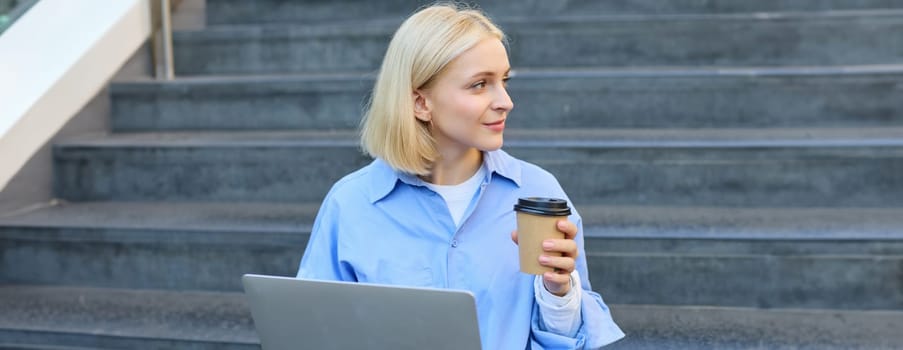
(164, 67)
(166, 32)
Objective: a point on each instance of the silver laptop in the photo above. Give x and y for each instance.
(291, 313)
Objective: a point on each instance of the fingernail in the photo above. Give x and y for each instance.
(543, 258)
(548, 244)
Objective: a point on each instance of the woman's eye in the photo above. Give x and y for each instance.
(479, 85)
(505, 81)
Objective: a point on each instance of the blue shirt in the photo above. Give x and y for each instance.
(377, 225)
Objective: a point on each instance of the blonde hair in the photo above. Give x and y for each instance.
(419, 51)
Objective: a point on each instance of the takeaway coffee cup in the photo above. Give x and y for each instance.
(537, 221)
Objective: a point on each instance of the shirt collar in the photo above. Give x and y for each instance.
(385, 178)
(501, 163)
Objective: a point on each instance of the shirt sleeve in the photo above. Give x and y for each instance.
(597, 328)
(559, 314)
(321, 258)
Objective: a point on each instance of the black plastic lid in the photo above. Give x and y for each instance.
(543, 206)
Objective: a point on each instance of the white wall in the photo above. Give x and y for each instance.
(53, 61)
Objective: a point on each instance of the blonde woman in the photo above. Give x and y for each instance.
(435, 206)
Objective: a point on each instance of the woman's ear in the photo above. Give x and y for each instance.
(421, 107)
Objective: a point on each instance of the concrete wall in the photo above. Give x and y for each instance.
(33, 184)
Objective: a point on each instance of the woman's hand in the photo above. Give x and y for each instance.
(560, 254)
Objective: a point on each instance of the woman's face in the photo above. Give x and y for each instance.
(467, 104)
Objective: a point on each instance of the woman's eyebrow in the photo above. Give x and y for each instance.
(490, 73)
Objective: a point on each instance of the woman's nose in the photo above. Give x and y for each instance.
(503, 101)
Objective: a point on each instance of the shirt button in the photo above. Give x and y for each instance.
(454, 243)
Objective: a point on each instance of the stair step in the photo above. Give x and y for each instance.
(44, 317)
(709, 167)
(727, 40)
(286, 218)
(9, 346)
(839, 258)
(159, 245)
(262, 11)
(124, 319)
(694, 327)
(761, 230)
(852, 96)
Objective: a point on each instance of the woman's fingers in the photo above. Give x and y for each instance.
(568, 228)
(565, 247)
(561, 264)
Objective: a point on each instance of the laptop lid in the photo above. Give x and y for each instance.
(291, 313)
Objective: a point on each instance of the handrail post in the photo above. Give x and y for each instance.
(166, 38)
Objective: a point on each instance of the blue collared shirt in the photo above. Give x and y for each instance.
(377, 225)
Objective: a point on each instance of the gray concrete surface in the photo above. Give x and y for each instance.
(571, 98)
(105, 318)
(720, 167)
(268, 11)
(809, 259)
(838, 38)
(117, 319)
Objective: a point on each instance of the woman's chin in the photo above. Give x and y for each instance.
(493, 146)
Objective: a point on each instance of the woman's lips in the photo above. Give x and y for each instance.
(496, 126)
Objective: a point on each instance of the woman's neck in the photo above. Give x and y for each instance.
(455, 167)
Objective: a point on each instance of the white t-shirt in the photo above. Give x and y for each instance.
(559, 314)
(458, 197)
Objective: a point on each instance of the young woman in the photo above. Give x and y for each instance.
(435, 207)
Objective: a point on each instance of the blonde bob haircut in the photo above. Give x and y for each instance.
(419, 51)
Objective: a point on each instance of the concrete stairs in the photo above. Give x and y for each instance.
(640, 98)
(737, 165)
(729, 40)
(98, 318)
